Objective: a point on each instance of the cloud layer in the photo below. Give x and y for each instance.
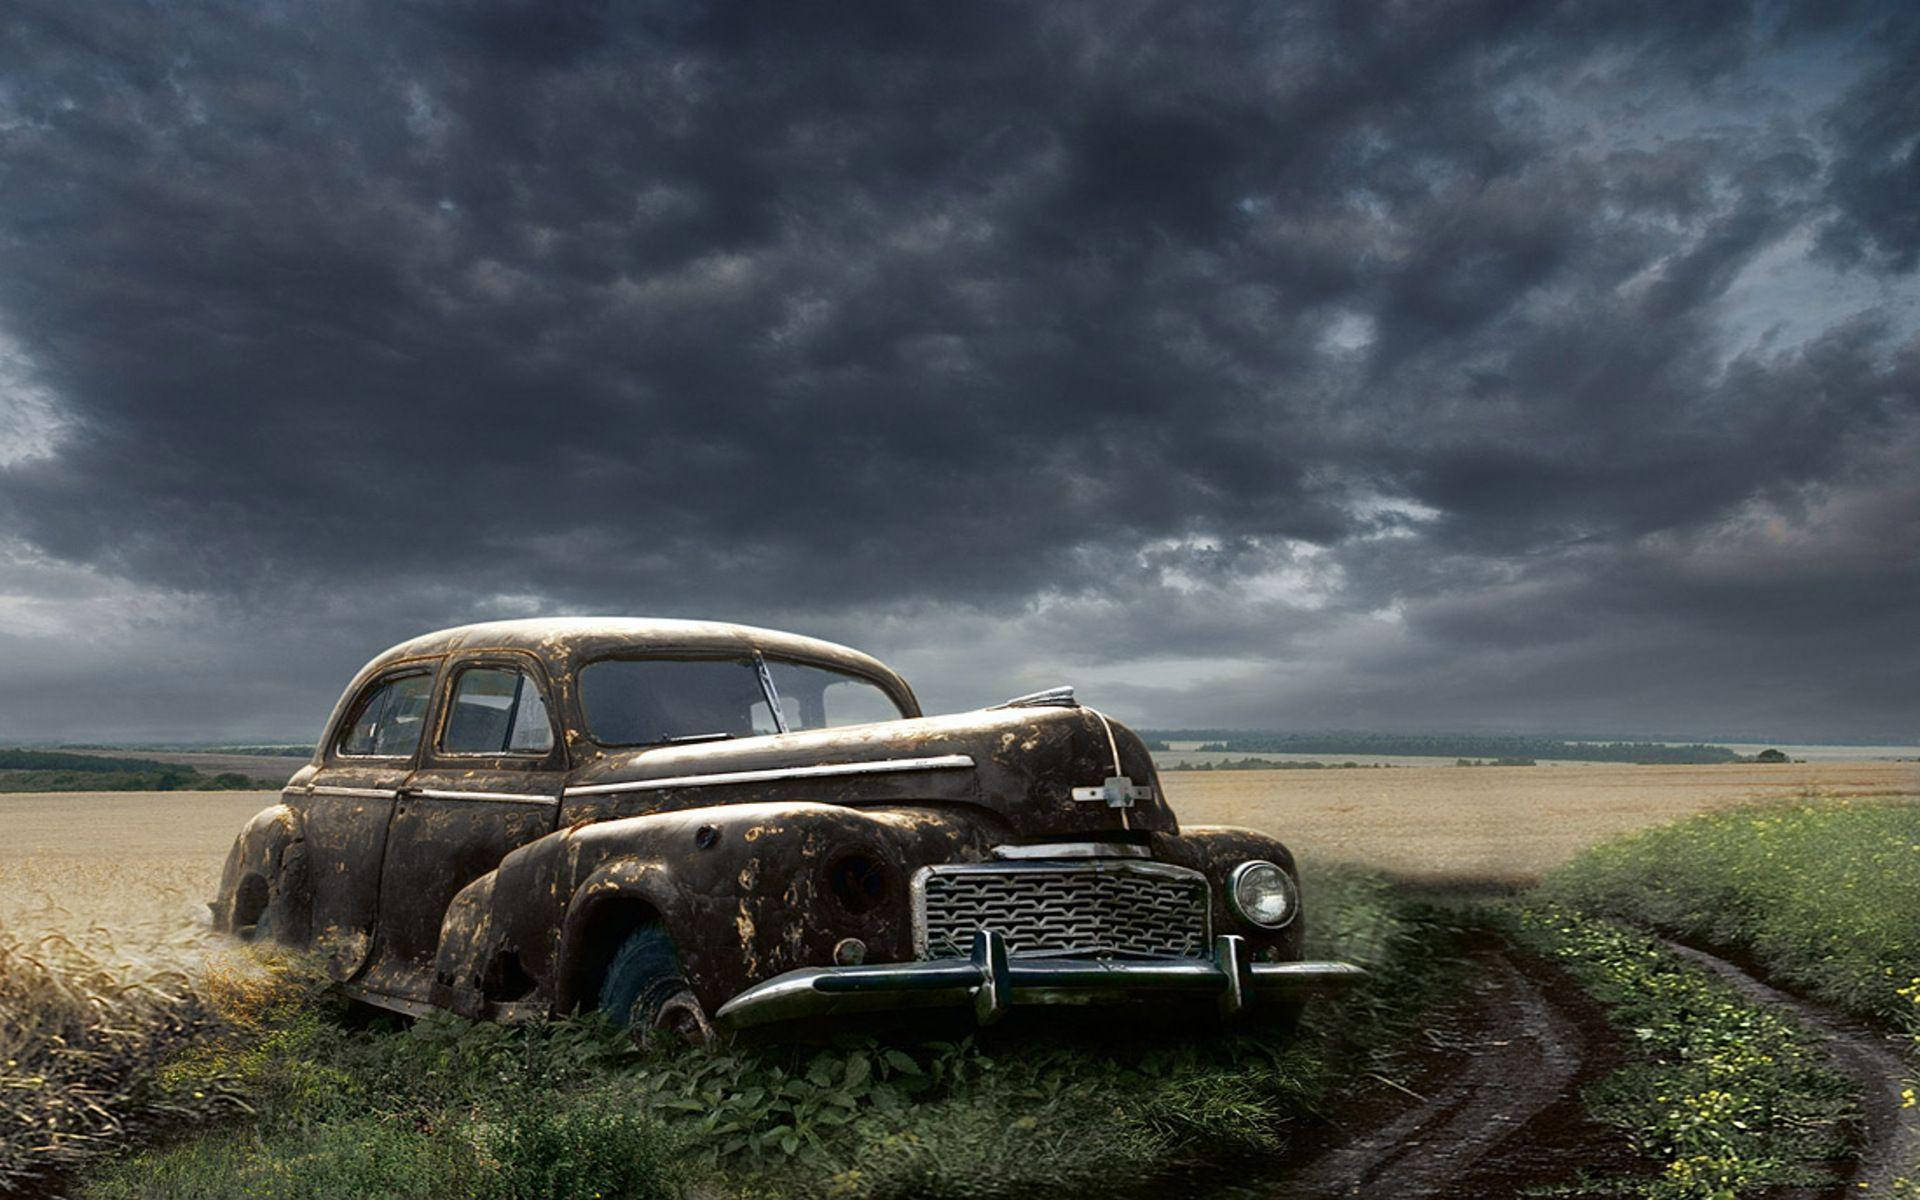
(1298, 366)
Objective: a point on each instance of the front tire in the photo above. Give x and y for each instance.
(646, 992)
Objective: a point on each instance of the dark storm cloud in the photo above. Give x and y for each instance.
(1365, 343)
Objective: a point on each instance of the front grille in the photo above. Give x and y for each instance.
(1099, 908)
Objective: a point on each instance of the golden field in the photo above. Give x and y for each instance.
(1499, 824)
(105, 957)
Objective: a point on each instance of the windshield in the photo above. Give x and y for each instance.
(651, 701)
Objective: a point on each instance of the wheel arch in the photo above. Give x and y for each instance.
(266, 870)
(615, 900)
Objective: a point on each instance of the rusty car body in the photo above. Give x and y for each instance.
(528, 818)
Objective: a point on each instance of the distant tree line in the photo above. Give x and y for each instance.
(1455, 746)
(57, 771)
(1270, 764)
(196, 748)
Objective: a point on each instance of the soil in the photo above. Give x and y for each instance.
(1489, 1106)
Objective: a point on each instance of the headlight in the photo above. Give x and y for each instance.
(1263, 894)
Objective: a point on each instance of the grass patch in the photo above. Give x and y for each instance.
(569, 1109)
(1728, 1097)
(1821, 894)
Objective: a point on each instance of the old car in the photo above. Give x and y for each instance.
(694, 825)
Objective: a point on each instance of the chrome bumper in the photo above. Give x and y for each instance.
(991, 981)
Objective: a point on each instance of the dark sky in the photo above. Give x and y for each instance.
(1431, 366)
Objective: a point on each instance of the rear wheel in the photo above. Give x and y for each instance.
(646, 991)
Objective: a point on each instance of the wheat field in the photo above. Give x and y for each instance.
(1496, 824)
(105, 959)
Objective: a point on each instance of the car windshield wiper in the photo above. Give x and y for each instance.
(698, 737)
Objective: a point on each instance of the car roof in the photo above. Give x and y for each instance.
(564, 640)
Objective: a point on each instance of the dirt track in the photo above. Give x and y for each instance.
(1863, 1054)
(1492, 1109)
(1519, 1055)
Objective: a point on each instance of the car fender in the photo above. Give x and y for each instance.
(744, 890)
(1214, 851)
(264, 884)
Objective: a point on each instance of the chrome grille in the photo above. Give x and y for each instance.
(1110, 907)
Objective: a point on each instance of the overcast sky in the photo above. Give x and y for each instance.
(1438, 366)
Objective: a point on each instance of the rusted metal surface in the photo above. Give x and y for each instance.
(500, 885)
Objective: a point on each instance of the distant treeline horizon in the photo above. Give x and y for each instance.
(1455, 746)
(273, 750)
(57, 771)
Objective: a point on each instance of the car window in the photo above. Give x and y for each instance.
(389, 721)
(497, 710)
(816, 698)
(647, 701)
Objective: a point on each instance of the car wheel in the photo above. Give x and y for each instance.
(645, 991)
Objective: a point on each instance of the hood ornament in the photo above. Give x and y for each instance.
(1053, 697)
(1118, 791)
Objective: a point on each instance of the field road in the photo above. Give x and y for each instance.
(1867, 1056)
(1493, 1108)
(1504, 824)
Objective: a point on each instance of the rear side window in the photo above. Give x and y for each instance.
(389, 721)
(497, 710)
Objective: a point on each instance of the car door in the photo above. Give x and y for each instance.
(350, 802)
(489, 780)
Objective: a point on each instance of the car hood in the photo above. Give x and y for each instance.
(1017, 767)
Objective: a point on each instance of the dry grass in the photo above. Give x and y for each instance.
(1504, 824)
(105, 961)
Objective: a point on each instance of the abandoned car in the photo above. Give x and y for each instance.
(695, 825)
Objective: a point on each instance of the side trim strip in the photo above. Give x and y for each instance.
(364, 793)
(942, 762)
(504, 797)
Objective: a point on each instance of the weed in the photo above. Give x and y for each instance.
(1729, 1097)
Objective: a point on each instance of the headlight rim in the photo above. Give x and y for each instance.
(1240, 910)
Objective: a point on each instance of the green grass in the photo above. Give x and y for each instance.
(318, 1108)
(1726, 1096)
(1820, 893)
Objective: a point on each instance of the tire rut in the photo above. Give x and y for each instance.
(1526, 1051)
(1523, 1063)
(1865, 1055)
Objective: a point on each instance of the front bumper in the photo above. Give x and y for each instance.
(991, 981)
